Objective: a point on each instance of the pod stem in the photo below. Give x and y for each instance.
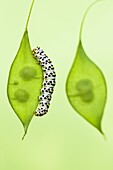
(83, 20)
(29, 15)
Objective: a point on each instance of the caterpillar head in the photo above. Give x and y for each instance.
(34, 52)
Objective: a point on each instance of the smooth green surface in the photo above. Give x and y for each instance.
(24, 83)
(86, 88)
(60, 140)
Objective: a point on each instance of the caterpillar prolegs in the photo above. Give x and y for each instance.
(48, 83)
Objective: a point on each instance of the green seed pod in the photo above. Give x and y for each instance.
(86, 88)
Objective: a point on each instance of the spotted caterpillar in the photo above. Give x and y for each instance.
(48, 83)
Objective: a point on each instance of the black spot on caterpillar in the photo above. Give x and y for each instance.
(48, 83)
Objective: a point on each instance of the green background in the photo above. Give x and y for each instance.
(60, 140)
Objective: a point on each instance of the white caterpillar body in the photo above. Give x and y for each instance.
(48, 83)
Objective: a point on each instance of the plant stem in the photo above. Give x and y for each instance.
(29, 15)
(83, 20)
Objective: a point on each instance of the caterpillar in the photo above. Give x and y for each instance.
(48, 83)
